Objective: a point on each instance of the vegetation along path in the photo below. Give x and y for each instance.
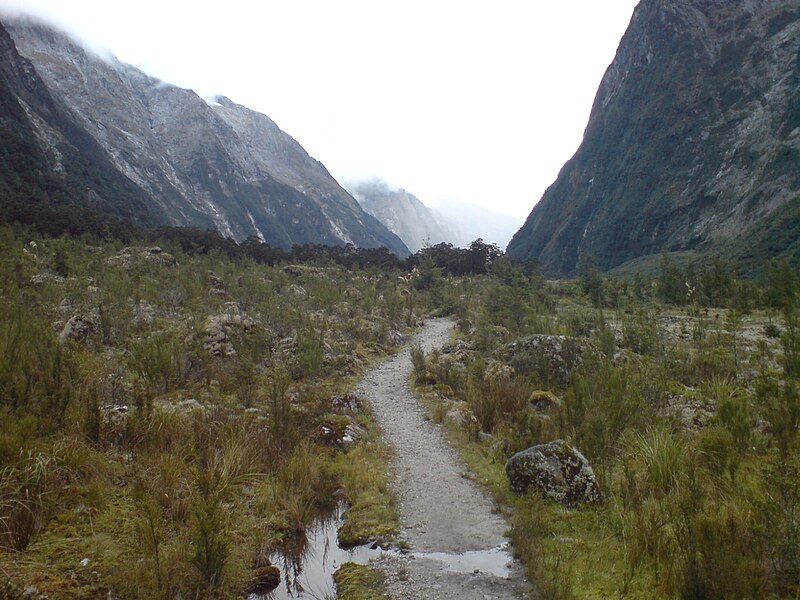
(457, 546)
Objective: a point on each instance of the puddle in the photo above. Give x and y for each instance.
(307, 568)
(494, 562)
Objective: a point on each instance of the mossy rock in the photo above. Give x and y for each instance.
(544, 401)
(556, 470)
(264, 579)
(358, 582)
(365, 521)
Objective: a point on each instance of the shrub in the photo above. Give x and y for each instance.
(157, 359)
(210, 541)
(418, 362)
(642, 334)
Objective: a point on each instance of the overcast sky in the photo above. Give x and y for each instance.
(477, 101)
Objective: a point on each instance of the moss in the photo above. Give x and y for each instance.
(370, 518)
(358, 582)
(371, 513)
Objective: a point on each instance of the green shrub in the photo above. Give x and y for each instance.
(158, 360)
(418, 362)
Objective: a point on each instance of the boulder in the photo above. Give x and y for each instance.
(144, 313)
(496, 371)
(461, 351)
(347, 402)
(156, 256)
(353, 293)
(264, 579)
(298, 270)
(543, 401)
(553, 357)
(127, 257)
(216, 284)
(296, 291)
(458, 415)
(217, 341)
(395, 337)
(557, 470)
(43, 278)
(455, 417)
(67, 306)
(77, 329)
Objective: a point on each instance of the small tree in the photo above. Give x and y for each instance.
(591, 281)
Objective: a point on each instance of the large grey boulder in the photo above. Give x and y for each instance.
(557, 470)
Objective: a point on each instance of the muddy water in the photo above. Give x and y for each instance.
(307, 569)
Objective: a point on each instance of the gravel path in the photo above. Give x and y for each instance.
(442, 513)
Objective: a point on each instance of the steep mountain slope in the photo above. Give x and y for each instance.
(200, 163)
(403, 213)
(693, 141)
(47, 159)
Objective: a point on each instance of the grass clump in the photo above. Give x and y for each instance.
(371, 511)
(358, 582)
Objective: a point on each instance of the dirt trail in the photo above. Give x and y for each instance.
(456, 540)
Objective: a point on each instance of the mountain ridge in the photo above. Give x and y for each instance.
(693, 139)
(198, 163)
(417, 224)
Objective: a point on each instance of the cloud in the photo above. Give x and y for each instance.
(448, 99)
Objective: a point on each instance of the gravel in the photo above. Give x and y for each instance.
(441, 510)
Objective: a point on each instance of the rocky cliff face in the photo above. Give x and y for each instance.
(47, 158)
(208, 164)
(693, 142)
(404, 214)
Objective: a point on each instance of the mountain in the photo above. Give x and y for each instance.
(194, 163)
(403, 214)
(693, 143)
(472, 222)
(49, 162)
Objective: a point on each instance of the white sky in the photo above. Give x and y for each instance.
(478, 101)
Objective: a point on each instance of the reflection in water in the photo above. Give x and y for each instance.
(496, 561)
(307, 566)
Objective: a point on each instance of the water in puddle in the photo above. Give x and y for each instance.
(495, 561)
(307, 569)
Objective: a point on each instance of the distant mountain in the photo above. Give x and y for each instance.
(693, 143)
(179, 159)
(403, 214)
(471, 222)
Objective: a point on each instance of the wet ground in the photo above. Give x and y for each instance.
(307, 568)
(457, 542)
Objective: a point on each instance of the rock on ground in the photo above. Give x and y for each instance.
(557, 470)
(554, 357)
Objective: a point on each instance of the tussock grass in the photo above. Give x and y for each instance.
(358, 582)
(174, 471)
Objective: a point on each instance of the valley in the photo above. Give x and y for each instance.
(223, 374)
(172, 418)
